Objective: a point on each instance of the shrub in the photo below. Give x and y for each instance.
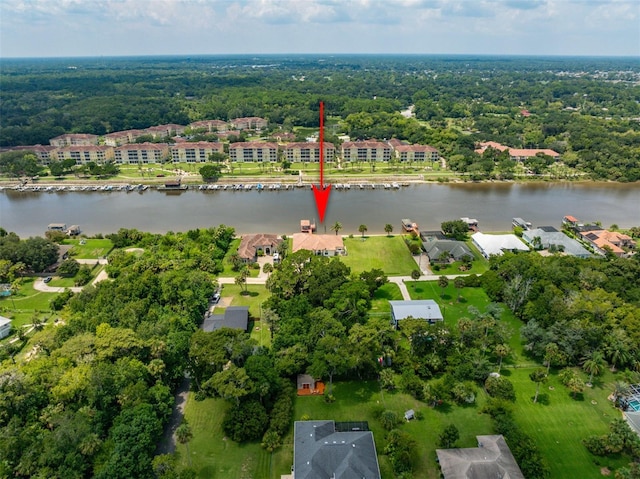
(69, 267)
(500, 387)
(412, 384)
(389, 419)
(387, 379)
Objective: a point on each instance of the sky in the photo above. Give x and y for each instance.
(61, 28)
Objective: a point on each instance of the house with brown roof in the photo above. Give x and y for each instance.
(491, 459)
(366, 151)
(306, 152)
(516, 154)
(141, 153)
(194, 152)
(252, 246)
(570, 221)
(603, 240)
(253, 151)
(74, 139)
(320, 245)
(119, 138)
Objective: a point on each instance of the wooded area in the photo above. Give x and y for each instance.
(584, 108)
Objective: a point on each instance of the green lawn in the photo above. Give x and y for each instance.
(388, 253)
(558, 423)
(381, 298)
(66, 282)
(228, 271)
(21, 307)
(257, 295)
(92, 248)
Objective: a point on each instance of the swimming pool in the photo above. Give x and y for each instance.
(634, 405)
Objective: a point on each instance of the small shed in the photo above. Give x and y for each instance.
(307, 385)
(409, 415)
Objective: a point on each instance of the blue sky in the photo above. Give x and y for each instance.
(46, 28)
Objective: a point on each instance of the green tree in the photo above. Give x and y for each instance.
(538, 376)
(210, 172)
(502, 351)
(388, 228)
(594, 364)
(456, 229)
(362, 229)
(329, 359)
(443, 282)
(184, 436)
(459, 283)
(337, 226)
(448, 437)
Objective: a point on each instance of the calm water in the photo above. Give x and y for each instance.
(28, 214)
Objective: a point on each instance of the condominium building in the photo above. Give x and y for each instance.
(164, 131)
(83, 154)
(42, 152)
(517, 154)
(410, 153)
(308, 152)
(118, 138)
(74, 139)
(369, 151)
(142, 153)
(196, 152)
(249, 123)
(210, 126)
(253, 151)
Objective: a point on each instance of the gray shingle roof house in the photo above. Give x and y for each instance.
(321, 452)
(419, 309)
(548, 238)
(455, 249)
(235, 317)
(491, 459)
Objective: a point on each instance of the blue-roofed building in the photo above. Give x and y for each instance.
(426, 309)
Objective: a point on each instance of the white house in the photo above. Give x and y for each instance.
(5, 327)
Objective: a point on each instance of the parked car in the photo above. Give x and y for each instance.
(47, 279)
(215, 298)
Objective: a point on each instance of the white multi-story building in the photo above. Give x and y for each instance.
(196, 152)
(367, 151)
(419, 153)
(141, 153)
(253, 151)
(83, 154)
(309, 152)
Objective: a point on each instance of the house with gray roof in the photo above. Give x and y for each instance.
(426, 309)
(322, 451)
(234, 317)
(557, 238)
(443, 251)
(491, 459)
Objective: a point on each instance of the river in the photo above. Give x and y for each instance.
(492, 204)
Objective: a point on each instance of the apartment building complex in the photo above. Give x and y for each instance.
(367, 151)
(142, 153)
(309, 152)
(74, 139)
(253, 151)
(83, 154)
(197, 152)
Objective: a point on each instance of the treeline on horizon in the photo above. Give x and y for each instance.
(587, 109)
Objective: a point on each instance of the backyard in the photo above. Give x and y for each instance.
(388, 253)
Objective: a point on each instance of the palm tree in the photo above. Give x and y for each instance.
(184, 435)
(459, 283)
(388, 228)
(362, 229)
(337, 226)
(443, 282)
(502, 351)
(538, 376)
(594, 365)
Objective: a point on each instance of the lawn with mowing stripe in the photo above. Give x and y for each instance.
(388, 253)
(22, 307)
(92, 248)
(382, 296)
(558, 423)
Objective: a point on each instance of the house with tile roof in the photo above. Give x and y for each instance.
(417, 153)
(210, 126)
(119, 138)
(249, 123)
(322, 451)
(252, 246)
(163, 131)
(516, 154)
(74, 139)
(603, 240)
(320, 245)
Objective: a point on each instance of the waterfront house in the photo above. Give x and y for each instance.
(320, 245)
(603, 240)
(445, 251)
(491, 459)
(366, 151)
(516, 154)
(252, 246)
(331, 450)
(520, 223)
(306, 152)
(497, 244)
(426, 309)
(570, 222)
(194, 152)
(253, 151)
(307, 226)
(555, 238)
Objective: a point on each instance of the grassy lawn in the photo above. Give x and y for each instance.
(558, 423)
(257, 295)
(92, 248)
(228, 271)
(21, 307)
(452, 309)
(381, 298)
(388, 253)
(66, 282)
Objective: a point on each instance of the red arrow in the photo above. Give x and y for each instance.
(321, 193)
